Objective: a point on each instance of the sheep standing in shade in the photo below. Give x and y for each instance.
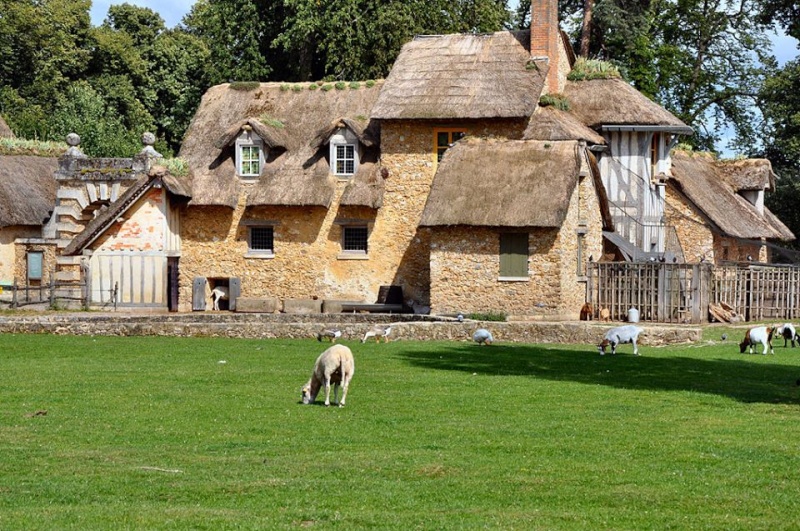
(482, 336)
(378, 331)
(331, 334)
(621, 334)
(756, 335)
(788, 332)
(334, 366)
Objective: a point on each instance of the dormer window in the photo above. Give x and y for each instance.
(249, 154)
(344, 153)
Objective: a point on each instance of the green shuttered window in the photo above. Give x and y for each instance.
(514, 255)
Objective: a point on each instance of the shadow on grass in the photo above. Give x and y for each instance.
(741, 380)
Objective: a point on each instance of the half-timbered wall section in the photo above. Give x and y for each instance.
(630, 170)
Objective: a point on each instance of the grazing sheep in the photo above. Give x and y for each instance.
(755, 335)
(618, 335)
(587, 312)
(219, 293)
(482, 336)
(378, 331)
(335, 365)
(605, 315)
(331, 334)
(788, 332)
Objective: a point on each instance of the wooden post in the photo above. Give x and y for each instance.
(52, 290)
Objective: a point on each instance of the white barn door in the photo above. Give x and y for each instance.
(140, 278)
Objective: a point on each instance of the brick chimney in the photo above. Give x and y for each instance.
(545, 36)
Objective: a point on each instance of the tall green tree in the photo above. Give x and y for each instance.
(702, 59)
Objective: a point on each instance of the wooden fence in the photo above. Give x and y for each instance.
(681, 293)
(55, 295)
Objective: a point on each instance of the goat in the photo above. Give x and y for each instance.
(788, 332)
(621, 334)
(378, 332)
(755, 335)
(334, 366)
(482, 336)
(219, 293)
(587, 312)
(605, 315)
(331, 333)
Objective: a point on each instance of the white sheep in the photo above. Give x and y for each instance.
(788, 332)
(755, 335)
(378, 331)
(334, 366)
(618, 335)
(482, 336)
(219, 293)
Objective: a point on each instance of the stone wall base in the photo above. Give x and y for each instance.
(353, 327)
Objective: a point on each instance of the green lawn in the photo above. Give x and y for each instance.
(157, 433)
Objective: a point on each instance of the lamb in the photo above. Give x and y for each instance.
(336, 365)
(755, 335)
(788, 332)
(605, 315)
(219, 293)
(378, 331)
(621, 334)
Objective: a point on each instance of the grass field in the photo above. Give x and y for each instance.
(158, 433)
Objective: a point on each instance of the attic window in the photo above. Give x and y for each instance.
(344, 153)
(249, 154)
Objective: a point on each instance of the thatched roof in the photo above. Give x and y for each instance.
(366, 187)
(271, 135)
(526, 184)
(298, 176)
(699, 177)
(5, 130)
(748, 174)
(367, 132)
(614, 102)
(549, 123)
(463, 76)
(27, 189)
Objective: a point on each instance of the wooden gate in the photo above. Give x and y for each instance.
(665, 293)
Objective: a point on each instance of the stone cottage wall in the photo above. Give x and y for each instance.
(307, 260)
(8, 249)
(694, 233)
(465, 265)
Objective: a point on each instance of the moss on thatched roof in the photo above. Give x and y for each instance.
(298, 176)
(614, 102)
(496, 183)
(463, 76)
(700, 177)
(27, 189)
(550, 123)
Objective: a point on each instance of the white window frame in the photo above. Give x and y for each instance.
(246, 141)
(344, 139)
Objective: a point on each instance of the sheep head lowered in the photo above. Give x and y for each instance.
(334, 366)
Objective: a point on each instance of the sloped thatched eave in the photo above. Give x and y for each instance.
(526, 184)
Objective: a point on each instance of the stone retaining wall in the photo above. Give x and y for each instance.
(353, 327)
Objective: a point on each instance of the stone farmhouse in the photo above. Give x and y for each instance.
(455, 180)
